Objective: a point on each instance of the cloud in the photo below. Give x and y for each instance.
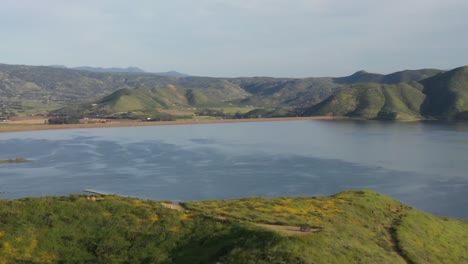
(237, 37)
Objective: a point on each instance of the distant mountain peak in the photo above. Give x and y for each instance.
(172, 74)
(112, 70)
(360, 72)
(101, 69)
(360, 77)
(58, 66)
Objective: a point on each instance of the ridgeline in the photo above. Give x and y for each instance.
(426, 94)
(443, 96)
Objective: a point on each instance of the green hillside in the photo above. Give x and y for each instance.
(39, 89)
(443, 96)
(374, 101)
(447, 94)
(272, 92)
(350, 227)
(410, 75)
(147, 102)
(392, 78)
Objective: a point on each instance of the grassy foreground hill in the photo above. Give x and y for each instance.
(349, 227)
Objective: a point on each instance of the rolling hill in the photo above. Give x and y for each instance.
(443, 96)
(349, 227)
(393, 78)
(447, 94)
(374, 101)
(149, 102)
(39, 89)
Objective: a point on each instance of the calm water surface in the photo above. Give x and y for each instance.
(422, 164)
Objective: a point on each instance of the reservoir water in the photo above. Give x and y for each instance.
(422, 164)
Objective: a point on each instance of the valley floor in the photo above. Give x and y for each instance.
(39, 124)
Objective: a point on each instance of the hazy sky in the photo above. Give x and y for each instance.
(294, 38)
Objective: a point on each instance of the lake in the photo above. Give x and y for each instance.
(422, 164)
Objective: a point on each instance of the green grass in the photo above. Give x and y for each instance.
(357, 227)
(425, 238)
(32, 107)
(143, 102)
(23, 107)
(204, 118)
(270, 113)
(197, 118)
(233, 110)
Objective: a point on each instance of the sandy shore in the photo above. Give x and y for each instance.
(25, 126)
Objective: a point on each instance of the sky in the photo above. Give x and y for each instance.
(231, 38)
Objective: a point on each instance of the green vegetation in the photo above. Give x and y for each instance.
(270, 113)
(16, 160)
(26, 90)
(393, 78)
(404, 95)
(63, 120)
(143, 103)
(447, 94)
(10, 107)
(229, 110)
(353, 227)
(399, 101)
(443, 96)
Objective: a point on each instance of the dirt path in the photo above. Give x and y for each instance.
(391, 233)
(173, 206)
(289, 230)
(283, 229)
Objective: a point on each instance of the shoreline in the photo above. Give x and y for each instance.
(21, 127)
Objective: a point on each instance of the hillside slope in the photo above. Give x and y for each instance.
(350, 227)
(392, 78)
(447, 94)
(38, 89)
(147, 102)
(443, 96)
(374, 101)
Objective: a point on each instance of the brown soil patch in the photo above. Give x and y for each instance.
(173, 206)
(289, 230)
(27, 120)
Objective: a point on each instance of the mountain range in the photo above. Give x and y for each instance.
(403, 95)
(121, 70)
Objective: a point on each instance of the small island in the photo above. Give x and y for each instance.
(16, 160)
